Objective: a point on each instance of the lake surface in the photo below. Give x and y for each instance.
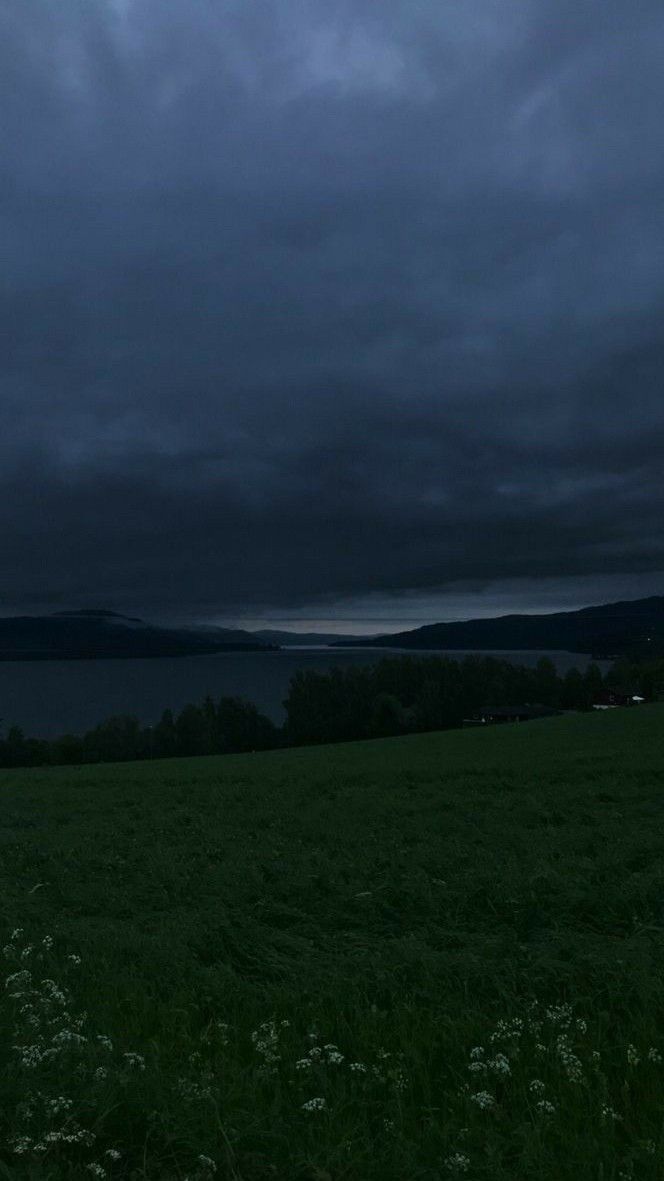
(47, 698)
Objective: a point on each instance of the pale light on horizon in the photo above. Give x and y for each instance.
(386, 614)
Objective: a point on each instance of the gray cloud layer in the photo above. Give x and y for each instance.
(304, 302)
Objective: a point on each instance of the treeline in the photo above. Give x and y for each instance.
(397, 695)
(644, 676)
(229, 726)
(406, 695)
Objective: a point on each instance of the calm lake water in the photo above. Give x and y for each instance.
(51, 697)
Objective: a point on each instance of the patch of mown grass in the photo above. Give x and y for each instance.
(297, 956)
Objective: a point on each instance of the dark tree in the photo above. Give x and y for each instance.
(242, 728)
(165, 739)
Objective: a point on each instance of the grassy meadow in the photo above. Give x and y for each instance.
(410, 959)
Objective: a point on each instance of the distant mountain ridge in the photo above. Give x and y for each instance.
(290, 639)
(632, 627)
(101, 635)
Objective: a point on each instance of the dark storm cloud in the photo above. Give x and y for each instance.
(305, 302)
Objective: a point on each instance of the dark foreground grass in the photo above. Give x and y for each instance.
(403, 960)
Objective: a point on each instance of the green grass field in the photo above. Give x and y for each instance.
(405, 960)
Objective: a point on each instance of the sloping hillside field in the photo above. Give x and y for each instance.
(405, 960)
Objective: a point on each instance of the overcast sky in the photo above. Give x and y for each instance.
(331, 310)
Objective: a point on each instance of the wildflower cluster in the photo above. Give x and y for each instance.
(266, 1043)
(556, 1037)
(496, 1065)
(315, 1105)
(513, 1035)
(48, 1043)
(207, 1168)
(328, 1053)
(458, 1162)
(570, 1061)
(323, 1055)
(483, 1099)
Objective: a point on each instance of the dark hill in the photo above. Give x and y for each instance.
(629, 628)
(287, 639)
(100, 635)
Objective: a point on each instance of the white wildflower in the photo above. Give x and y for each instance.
(632, 1056)
(81, 1136)
(266, 1042)
(314, 1105)
(458, 1163)
(654, 1055)
(499, 1065)
(609, 1113)
(52, 993)
(135, 1060)
(21, 1144)
(191, 1091)
(32, 1056)
(476, 1053)
(560, 1015)
(571, 1064)
(104, 1041)
(19, 980)
(67, 1036)
(545, 1106)
(54, 1106)
(537, 1086)
(483, 1099)
(207, 1162)
(507, 1030)
(96, 1170)
(113, 1153)
(357, 1066)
